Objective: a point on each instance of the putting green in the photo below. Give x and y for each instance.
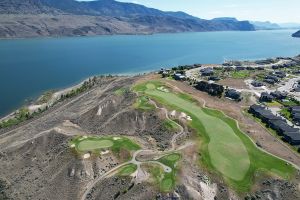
(89, 145)
(95, 143)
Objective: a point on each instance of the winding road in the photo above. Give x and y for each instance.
(160, 154)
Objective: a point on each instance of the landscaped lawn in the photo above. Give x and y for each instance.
(273, 104)
(225, 149)
(240, 74)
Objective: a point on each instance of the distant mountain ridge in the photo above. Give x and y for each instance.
(265, 25)
(33, 18)
(297, 34)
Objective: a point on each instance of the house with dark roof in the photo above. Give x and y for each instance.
(280, 74)
(179, 77)
(275, 67)
(296, 118)
(240, 68)
(294, 109)
(292, 137)
(270, 81)
(250, 68)
(280, 126)
(279, 95)
(233, 94)
(214, 78)
(211, 88)
(290, 134)
(274, 78)
(207, 71)
(260, 68)
(257, 84)
(266, 97)
(263, 114)
(255, 109)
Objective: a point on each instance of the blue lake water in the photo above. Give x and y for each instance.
(28, 67)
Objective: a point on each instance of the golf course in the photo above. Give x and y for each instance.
(224, 148)
(166, 180)
(96, 144)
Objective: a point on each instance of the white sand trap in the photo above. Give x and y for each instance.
(84, 137)
(87, 155)
(104, 152)
(116, 138)
(162, 89)
(183, 115)
(173, 113)
(189, 118)
(99, 111)
(72, 145)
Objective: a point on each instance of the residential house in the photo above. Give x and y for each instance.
(233, 94)
(266, 97)
(279, 95)
(257, 84)
(207, 71)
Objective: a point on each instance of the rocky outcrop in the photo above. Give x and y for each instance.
(297, 34)
(38, 18)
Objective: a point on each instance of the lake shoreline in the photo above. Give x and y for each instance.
(60, 62)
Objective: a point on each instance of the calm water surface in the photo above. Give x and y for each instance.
(29, 67)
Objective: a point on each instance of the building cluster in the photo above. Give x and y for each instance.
(269, 97)
(287, 132)
(211, 88)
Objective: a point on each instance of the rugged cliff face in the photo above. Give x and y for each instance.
(36, 18)
(297, 34)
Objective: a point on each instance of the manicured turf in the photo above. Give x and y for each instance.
(88, 145)
(165, 180)
(96, 144)
(127, 170)
(143, 104)
(225, 149)
(240, 74)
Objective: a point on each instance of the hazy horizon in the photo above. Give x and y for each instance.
(276, 11)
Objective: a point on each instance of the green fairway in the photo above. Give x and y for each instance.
(96, 144)
(88, 145)
(127, 170)
(225, 149)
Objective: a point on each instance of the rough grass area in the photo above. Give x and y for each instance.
(142, 103)
(46, 97)
(273, 104)
(240, 74)
(96, 144)
(127, 170)
(225, 149)
(121, 91)
(166, 181)
(286, 113)
(170, 125)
